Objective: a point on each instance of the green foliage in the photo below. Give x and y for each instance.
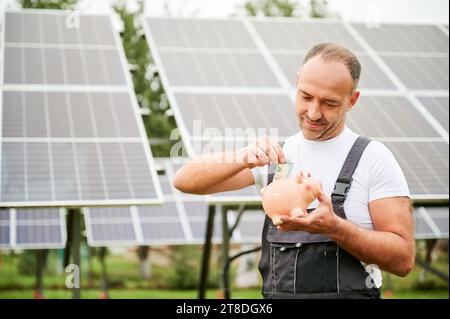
(48, 4)
(185, 267)
(27, 263)
(318, 8)
(285, 8)
(147, 84)
(271, 8)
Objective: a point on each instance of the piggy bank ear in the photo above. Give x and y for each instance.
(299, 178)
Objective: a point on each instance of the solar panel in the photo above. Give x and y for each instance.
(404, 85)
(404, 38)
(71, 133)
(4, 228)
(63, 66)
(26, 228)
(266, 110)
(420, 73)
(372, 77)
(201, 33)
(291, 34)
(431, 222)
(438, 107)
(388, 116)
(218, 69)
(425, 166)
(47, 27)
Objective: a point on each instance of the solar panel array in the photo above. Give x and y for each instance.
(180, 220)
(240, 74)
(26, 228)
(71, 133)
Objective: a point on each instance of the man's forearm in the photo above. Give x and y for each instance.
(202, 173)
(387, 250)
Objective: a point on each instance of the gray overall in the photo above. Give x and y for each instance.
(298, 264)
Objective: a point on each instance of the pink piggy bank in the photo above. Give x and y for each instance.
(285, 196)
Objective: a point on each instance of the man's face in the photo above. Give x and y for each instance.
(324, 95)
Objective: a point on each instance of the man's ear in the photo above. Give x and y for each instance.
(353, 99)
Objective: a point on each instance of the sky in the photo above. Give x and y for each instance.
(407, 11)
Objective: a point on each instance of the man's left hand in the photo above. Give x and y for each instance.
(321, 220)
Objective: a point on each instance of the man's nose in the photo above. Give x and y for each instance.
(314, 113)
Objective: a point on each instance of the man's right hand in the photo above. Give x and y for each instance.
(263, 152)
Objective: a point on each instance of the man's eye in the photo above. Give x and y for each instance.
(331, 104)
(306, 98)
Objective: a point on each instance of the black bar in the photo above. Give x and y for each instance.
(206, 252)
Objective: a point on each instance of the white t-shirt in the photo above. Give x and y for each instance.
(378, 175)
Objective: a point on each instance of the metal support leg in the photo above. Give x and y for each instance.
(226, 269)
(75, 247)
(206, 252)
(225, 252)
(105, 284)
(41, 257)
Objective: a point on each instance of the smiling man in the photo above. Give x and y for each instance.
(363, 220)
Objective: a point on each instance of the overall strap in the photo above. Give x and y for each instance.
(344, 180)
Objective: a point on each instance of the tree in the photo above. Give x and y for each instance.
(318, 8)
(270, 8)
(48, 4)
(147, 85)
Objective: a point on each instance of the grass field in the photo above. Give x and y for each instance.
(17, 281)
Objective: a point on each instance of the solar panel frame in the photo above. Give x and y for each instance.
(90, 232)
(126, 87)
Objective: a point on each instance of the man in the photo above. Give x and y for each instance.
(336, 250)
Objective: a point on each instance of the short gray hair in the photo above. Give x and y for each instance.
(335, 52)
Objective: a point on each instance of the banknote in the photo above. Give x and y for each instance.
(283, 170)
